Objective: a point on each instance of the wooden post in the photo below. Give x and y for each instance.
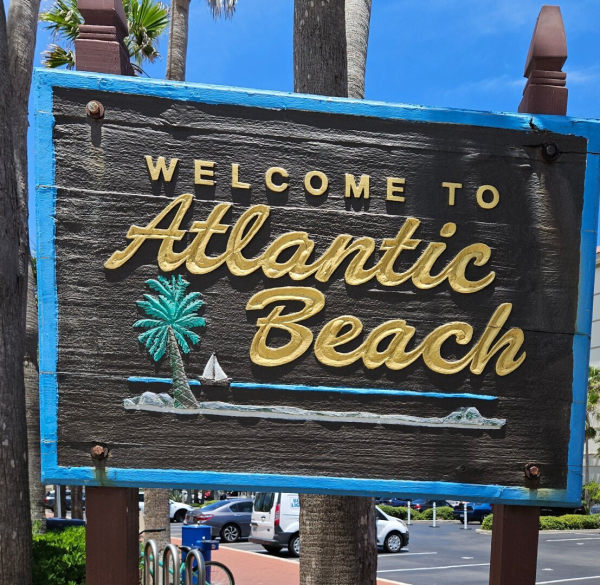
(545, 91)
(100, 45)
(112, 541)
(515, 531)
(112, 527)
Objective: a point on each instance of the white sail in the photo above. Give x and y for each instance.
(213, 373)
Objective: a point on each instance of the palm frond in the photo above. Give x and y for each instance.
(183, 344)
(56, 56)
(224, 8)
(147, 20)
(148, 323)
(63, 20)
(193, 337)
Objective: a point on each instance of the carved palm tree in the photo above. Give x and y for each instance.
(172, 316)
(146, 19)
(178, 37)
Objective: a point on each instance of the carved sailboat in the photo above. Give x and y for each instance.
(213, 374)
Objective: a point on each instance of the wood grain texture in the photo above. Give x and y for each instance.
(104, 187)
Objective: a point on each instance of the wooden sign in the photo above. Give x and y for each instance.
(254, 290)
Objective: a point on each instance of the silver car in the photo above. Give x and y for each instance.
(229, 519)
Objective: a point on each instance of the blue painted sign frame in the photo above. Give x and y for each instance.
(44, 83)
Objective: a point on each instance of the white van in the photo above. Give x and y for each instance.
(275, 524)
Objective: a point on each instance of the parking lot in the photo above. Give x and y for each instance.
(449, 555)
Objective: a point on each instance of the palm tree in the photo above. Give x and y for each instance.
(593, 404)
(358, 17)
(323, 65)
(173, 315)
(178, 37)
(146, 19)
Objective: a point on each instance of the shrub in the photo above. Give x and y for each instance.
(442, 513)
(59, 557)
(401, 513)
(566, 522)
(205, 504)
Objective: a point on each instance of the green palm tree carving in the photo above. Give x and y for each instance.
(172, 316)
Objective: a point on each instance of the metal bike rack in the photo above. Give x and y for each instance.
(171, 556)
(189, 563)
(151, 563)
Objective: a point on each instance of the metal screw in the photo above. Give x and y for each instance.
(532, 471)
(94, 109)
(550, 151)
(99, 452)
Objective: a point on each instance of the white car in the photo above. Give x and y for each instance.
(275, 524)
(177, 510)
(392, 533)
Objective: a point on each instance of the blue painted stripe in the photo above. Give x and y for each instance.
(581, 340)
(46, 275)
(341, 390)
(301, 388)
(211, 94)
(314, 485)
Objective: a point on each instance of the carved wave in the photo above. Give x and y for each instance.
(462, 418)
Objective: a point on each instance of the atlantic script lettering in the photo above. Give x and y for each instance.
(290, 254)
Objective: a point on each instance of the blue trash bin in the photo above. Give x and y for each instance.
(196, 536)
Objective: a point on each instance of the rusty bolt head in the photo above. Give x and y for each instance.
(94, 109)
(99, 452)
(532, 471)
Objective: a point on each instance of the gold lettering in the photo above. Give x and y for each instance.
(161, 168)
(300, 337)
(324, 183)
(203, 169)
(197, 260)
(452, 187)
(244, 230)
(235, 178)
(495, 197)
(329, 338)
(269, 179)
(362, 190)
(152, 232)
(513, 340)
(395, 185)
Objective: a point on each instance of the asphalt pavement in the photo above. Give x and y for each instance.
(448, 555)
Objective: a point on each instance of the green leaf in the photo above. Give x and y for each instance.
(56, 56)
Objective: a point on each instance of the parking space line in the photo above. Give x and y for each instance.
(567, 580)
(409, 553)
(434, 568)
(565, 539)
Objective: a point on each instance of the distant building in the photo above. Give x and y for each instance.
(595, 361)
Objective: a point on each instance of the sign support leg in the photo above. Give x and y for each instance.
(112, 538)
(515, 534)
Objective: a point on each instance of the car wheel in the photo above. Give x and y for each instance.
(392, 542)
(179, 516)
(294, 546)
(270, 548)
(230, 533)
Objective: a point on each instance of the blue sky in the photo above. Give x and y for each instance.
(455, 53)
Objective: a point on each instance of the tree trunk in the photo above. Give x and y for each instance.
(337, 540)
(338, 543)
(15, 521)
(21, 31)
(178, 40)
(181, 387)
(358, 17)
(320, 63)
(156, 515)
(77, 502)
(37, 490)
